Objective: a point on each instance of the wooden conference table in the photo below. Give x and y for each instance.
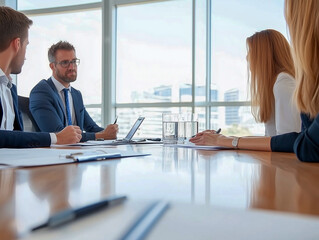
(224, 178)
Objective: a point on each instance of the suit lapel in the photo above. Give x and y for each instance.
(51, 84)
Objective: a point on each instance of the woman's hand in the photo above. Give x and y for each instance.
(208, 137)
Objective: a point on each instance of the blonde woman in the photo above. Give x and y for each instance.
(272, 82)
(272, 85)
(303, 22)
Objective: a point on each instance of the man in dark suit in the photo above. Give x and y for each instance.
(54, 104)
(14, 28)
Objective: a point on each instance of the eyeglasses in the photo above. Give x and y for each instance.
(66, 63)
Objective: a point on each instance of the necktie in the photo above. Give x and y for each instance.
(67, 106)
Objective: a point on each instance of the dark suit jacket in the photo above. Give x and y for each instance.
(48, 110)
(305, 144)
(18, 138)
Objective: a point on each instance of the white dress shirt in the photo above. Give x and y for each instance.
(285, 117)
(8, 115)
(60, 88)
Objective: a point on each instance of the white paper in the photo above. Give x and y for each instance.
(186, 221)
(24, 157)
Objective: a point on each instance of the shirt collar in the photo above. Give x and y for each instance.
(59, 86)
(5, 80)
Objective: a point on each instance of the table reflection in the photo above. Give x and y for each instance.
(286, 187)
(237, 179)
(48, 190)
(240, 179)
(8, 228)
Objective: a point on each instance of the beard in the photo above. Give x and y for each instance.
(68, 77)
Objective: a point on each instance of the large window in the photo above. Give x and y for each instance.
(190, 55)
(148, 57)
(230, 26)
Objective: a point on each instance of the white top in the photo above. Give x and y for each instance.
(59, 86)
(286, 117)
(8, 114)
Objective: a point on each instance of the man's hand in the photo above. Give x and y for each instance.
(109, 132)
(69, 135)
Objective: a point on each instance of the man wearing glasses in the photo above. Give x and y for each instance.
(54, 104)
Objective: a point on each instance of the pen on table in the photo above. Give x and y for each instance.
(217, 132)
(74, 213)
(144, 223)
(115, 120)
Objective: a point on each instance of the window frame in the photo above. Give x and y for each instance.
(108, 99)
(111, 48)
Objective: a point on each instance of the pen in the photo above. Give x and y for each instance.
(144, 223)
(154, 139)
(115, 120)
(72, 214)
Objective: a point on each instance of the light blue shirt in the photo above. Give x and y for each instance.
(8, 115)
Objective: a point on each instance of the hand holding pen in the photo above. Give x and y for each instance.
(208, 131)
(208, 137)
(110, 132)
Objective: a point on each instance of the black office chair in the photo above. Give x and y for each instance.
(29, 123)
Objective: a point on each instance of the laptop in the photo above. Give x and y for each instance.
(127, 139)
(131, 133)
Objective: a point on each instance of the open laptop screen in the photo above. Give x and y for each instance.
(134, 129)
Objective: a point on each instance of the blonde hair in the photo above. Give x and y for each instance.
(303, 22)
(268, 55)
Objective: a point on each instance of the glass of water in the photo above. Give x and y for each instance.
(170, 128)
(187, 126)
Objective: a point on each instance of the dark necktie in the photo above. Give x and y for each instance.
(67, 105)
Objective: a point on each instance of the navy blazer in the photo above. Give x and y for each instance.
(18, 138)
(48, 110)
(305, 144)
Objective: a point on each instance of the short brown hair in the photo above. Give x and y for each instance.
(61, 45)
(13, 24)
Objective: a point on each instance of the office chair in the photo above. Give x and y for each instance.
(29, 123)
